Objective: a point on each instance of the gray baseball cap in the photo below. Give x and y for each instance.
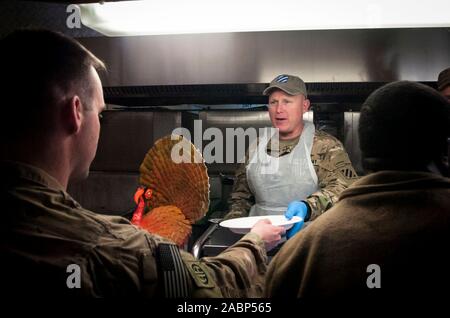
(290, 84)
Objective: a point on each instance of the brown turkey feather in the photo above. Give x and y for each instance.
(184, 185)
(168, 222)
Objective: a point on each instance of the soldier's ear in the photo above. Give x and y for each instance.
(306, 105)
(72, 114)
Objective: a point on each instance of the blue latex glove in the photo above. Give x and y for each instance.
(296, 208)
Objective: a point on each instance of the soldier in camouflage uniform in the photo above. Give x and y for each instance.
(330, 161)
(50, 245)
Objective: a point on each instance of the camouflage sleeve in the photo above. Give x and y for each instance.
(241, 198)
(334, 171)
(236, 272)
(126, 262)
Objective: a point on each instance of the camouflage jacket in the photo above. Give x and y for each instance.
(331, 163)
(44, 230)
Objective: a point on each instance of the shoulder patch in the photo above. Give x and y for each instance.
(348, 173)
(199, 274)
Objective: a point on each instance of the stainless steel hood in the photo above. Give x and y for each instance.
(168, 64)
(235, 67)
(317, 56)
(369, 55)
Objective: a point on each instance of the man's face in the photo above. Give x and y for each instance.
(286, 113)
(446, 92)
(90, 126)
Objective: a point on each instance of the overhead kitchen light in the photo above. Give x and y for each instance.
(212, 16)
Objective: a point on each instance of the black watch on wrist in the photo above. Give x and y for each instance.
(308, 211)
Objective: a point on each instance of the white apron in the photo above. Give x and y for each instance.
(275, 182)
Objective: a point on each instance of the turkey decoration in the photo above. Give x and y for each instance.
(174, 189)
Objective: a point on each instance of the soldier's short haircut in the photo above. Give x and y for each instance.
(38, 67)
(403, 126)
